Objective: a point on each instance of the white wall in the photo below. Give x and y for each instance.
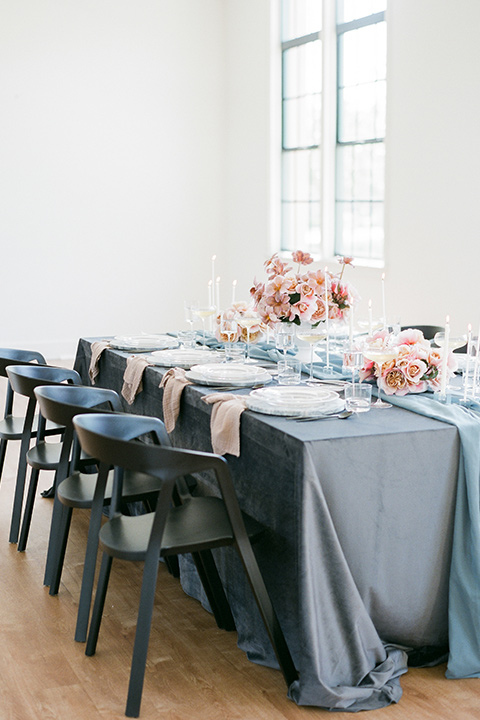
(135, 142)
(112, 140)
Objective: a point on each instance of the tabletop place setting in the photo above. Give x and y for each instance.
(269, 382)
(300, 335)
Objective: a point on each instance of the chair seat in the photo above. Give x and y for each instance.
(78, 489)
(199, 524)
(44, 456)
(11, 427)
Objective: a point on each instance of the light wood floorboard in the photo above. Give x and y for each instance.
(195, 671)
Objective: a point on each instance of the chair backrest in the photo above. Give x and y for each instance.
(10, 356)
(429, 331)
(60, 403)
(25, 378)
(113, 440)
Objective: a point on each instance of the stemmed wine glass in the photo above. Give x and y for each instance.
(228, 328)
(203, 312)
(247, 321)
(284, 338)
(311, 335)
(380, 354)
(352, 359)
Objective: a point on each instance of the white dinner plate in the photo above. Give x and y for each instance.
(295, 396)
(185, 358)
(143, 343)
(260, 405)
(228, 374)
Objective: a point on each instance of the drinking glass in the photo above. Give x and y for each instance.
(358, 397)
(311, 335)
(203, 312)
(188, 312)
(380, 355)
(289, 371)
(228, 330)
(352, 359)
(284, 338)
(247, 322)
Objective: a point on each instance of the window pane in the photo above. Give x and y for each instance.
(301, 175)
(354, 9)
(360, 229)
(301, 226)
(300, 17)
(302, 85)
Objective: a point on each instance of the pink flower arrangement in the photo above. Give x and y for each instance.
(416, 367)
(296, 296)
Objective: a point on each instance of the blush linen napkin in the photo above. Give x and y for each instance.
(225, 422)
(97, 348)
(172, 383)
(132, 377)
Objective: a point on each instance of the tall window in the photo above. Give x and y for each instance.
(333, 126)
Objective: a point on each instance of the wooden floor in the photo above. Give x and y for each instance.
(194, 671)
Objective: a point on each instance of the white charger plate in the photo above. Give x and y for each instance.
(143, 343)
(294, 400)
(296, 396)
(228, 374)
(185, 358)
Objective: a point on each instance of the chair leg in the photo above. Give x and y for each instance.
(28, 511)
(53, 540)
(99, 604)
(21, 473)
(210, 579)
(142, 635)
(88, 577)
(3, 450)
(62, 538)
(267, 612)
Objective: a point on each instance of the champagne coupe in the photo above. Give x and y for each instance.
(203, 312)
(379, 355)
(453, 342)
(284, 338)
(311, 335)
(228, 328)
(247, 322)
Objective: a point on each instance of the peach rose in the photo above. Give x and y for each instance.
(394, 382)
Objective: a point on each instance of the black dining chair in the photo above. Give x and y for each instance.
(43, 455)
(181, 523)
(11, 426)
(429, 331)
(76, 489)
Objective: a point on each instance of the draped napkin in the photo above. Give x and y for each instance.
(172, 383)
(97, 348)
(132, 377)
(225, 422)
(464, 586)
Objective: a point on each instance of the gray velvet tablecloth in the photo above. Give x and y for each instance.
(359, 518)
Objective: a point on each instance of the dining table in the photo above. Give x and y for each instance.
(360, 517)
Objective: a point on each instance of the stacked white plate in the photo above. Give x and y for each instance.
(301, 400)
(143, 343)
(185, 358)
(228, 374)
